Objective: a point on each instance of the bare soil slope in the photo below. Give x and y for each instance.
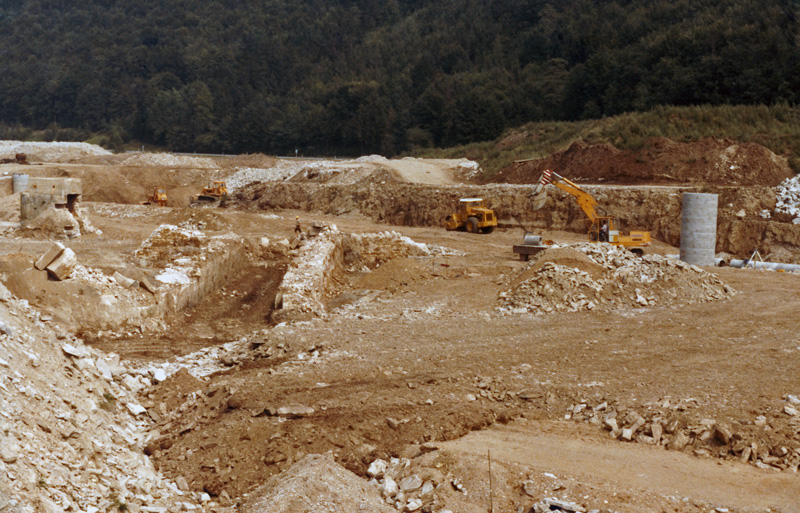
(662, 161)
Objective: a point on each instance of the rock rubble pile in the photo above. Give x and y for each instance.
(669, 424)
(409, 489)
(71, 428)
(316, 483)
(301, 171)
(788, 196)
(50, 151)
(168, 160)
(588, 276)
(320, 261)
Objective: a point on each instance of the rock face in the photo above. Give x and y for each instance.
(655, 209)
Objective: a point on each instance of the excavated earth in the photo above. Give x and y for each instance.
(432, 370)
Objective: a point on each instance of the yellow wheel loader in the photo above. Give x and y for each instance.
(473, 216)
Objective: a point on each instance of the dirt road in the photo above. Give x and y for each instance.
(428, 171)
(569, 452)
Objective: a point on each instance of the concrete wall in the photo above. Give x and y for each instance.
(55, 187)
(38, 194)
(214, 273)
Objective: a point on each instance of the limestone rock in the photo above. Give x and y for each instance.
(679, 442)
(104, 368)
(389, 487)
(62, 266)
(159, 375)
(8, 452)
(411, 483)
(294, 411)
(377, 468)
(565, 505)
(52, 252)
(722, 434)
(75, 352)
(414, 505)
(123, 281)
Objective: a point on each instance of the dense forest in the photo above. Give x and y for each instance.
(378, 76)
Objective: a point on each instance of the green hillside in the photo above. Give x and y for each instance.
(776, 127)
(376, 76)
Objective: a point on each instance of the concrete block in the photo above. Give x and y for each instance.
(147, 284)
(123, 281)
(63, 265)
(52, 252)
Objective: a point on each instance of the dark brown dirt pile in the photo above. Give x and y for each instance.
(712, 161)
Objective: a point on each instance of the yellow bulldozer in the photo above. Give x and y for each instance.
(600, 228)
(473, 216)
(211, 196)
(159, 197)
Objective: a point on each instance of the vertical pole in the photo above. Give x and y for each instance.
(491, 505)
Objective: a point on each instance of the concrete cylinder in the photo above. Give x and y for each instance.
(699, 228)
(19, 183)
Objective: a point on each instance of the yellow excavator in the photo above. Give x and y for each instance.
(601, 228)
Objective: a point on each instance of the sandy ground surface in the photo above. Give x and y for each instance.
(413, 341)
(416, 352)
(579, 455)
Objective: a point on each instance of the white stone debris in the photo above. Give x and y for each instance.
(788, 196)
(50, 151)
(602, 276)
(71, 430)
(169, 160)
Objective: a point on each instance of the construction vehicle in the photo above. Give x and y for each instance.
(473, 216)
(159, 197)
(211, 196)
(600, 228)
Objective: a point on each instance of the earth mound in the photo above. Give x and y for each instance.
(709, 160)
(600, 276)
(316, 483)
(50, 151)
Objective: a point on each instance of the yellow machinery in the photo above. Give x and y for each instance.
(473, 216)
(211, 195)
(159, 197)
(601, 228)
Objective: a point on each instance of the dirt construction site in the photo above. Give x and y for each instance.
(316, 341)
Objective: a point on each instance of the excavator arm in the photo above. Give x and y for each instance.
(584, 199)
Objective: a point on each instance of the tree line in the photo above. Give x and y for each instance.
(378, 76)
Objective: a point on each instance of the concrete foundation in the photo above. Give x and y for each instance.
(699, 228)
(39, 194)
